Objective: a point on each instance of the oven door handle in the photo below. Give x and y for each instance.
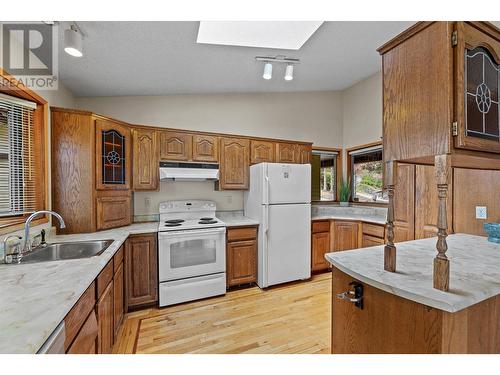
(192, 232)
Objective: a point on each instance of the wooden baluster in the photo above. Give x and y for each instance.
(390, 249)
(442, 169)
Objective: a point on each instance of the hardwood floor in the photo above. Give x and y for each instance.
(293, 318)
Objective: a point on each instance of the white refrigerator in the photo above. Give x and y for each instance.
(280, 199)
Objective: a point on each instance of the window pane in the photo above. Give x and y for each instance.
(367, 177)
(324, 176)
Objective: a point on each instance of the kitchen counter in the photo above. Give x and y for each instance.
(374, 215)
(474, 271)
(236, 219)
(36, 297)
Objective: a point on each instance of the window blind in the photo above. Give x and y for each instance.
(17, 159)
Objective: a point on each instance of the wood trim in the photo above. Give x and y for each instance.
(360, 147)
(41, 145)
(338, 171)
(401, 37)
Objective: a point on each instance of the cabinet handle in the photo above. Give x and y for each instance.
(354, 296)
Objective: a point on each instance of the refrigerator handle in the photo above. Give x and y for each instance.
(266, 199)
(266, 220)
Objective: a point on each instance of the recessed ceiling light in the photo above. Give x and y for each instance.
(263, 34)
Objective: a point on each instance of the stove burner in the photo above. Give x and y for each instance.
(173, 224)
(207, 219)
(174, 221)
(211, 221)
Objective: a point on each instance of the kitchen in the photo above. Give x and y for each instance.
(254, 206)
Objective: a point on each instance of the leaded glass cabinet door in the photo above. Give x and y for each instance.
(113, 156)
(478, 81)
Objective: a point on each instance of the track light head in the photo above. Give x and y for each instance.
(289, 72)
(73, 42)
(268, 71)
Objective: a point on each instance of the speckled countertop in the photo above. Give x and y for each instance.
(36, 297)
(375, 215)
(236, 219)
(474, 270)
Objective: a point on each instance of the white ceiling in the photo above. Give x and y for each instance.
(159, 58)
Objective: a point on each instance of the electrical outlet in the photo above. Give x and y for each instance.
(481, 212)
(147, 202)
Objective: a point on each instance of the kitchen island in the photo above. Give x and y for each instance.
(402, 312)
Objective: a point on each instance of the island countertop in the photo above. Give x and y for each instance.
(474, 270)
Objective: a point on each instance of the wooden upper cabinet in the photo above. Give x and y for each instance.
(145, 159)
(304, 154)
(176, 146)
(261, 152)
(113, 155)
(234, 163)
(286, 153)
(478, 64)
(345, 235)
(205, 148)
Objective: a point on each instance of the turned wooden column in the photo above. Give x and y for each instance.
(442, 168)
(390, 249)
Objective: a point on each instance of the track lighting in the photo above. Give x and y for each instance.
(289, 72)
(73, 41)
(270, 60)
(268, 71)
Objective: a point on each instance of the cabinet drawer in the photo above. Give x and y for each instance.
(237, 234)
(78, 314)
(118, 258)
(372, 241)
(373, 230)
(85, 341)
(113, 211)
(321, 226)
(104, 278)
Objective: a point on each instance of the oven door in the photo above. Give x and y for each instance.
(189, 253)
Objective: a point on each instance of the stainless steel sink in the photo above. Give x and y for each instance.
(66, 250)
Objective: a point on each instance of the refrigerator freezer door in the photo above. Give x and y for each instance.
(288, 250)
(289, 183)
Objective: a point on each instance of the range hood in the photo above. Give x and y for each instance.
(188, 171)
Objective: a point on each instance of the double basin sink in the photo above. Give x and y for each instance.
(66, 250)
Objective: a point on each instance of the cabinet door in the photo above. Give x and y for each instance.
(404, 203)
(113, 211)
(105, 316)
(261, 152)
(118, 298)
(372, 241)
(205, 148)
(241, 262)
(304, 154)
(145, 159)
(345, 235)
(175, 146)
(141, 270)
(320, 245)
(112, 155)
(478, 69)
(234, 164)
(86, 340)
(286, 153)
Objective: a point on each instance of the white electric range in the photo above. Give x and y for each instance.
(191, 251)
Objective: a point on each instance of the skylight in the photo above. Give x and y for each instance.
(289, 35)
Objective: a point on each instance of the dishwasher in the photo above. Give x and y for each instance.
(55, 343)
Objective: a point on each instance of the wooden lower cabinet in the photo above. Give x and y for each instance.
(86, 340)
(345, 235)
(241, 256)
(118, 298)
(105, 316)
(371, 241)
(320, 245)
(141, 270)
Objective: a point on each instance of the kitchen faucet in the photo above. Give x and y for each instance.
(26, 246)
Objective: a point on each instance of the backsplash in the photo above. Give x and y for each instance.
(319, 210)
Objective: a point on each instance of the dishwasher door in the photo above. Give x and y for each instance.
(55, 342)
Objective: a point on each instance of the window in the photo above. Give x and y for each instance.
(366, 173)
(17, 157)
(324, 166)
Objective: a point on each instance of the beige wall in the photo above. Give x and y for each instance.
(308, 116)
